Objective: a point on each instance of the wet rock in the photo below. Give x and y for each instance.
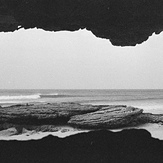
(46, 128)
(64, 130)
(107, 117)
(42, 114)
(21, 127)
(148, 118)
(9, 132)
(46, 117)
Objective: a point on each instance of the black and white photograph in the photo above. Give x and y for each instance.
(81, 81)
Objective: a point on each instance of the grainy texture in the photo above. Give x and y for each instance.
(149, 118)
(123, 22)
(45, 117)
(56, 113)
(107, 117)
(130, 146)
(112, 117)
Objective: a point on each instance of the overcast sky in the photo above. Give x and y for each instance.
(35, 59)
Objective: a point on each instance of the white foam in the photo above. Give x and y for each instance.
(155, 129)
(33, 135)
(20, 97)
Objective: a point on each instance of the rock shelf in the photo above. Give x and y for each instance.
(107, 117)
(47, 116)
(56, 113)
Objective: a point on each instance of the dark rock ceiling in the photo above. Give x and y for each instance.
(123, 22)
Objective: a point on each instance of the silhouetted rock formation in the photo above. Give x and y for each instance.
(128, 146)
(123, 22)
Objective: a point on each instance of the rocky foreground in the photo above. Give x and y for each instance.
(45, 117)
(127, 146)
(98, 146)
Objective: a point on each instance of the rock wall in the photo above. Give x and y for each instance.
(123, 22)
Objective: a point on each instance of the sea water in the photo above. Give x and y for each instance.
(148, 100)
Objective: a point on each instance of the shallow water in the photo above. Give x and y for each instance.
(150, 101)
(63, 131)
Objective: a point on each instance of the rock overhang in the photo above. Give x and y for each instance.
(123, 22)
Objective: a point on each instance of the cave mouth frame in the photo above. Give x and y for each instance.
(124, 23)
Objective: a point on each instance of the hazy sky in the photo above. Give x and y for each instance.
(77, 60)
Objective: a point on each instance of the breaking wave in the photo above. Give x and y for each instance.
(55, 95)
(20, 97)
(31, 97)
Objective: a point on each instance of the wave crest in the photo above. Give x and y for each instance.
(54, 95)
(20, 97)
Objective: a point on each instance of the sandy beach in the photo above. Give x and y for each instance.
(156, 131)
(27, 132)
(61, 132)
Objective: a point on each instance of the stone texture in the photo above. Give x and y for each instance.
(112, 117)
(20, 128)
(41, 114)
(123, 22)
(46, 117)
(148, 118)
(8, 132)
(107, 117)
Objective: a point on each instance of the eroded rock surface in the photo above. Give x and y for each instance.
(41, 114)
(149, 118)
(112, 117)
(123, 22)
(46, 117)
(107, 117)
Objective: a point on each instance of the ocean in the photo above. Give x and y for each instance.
(149, 100)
